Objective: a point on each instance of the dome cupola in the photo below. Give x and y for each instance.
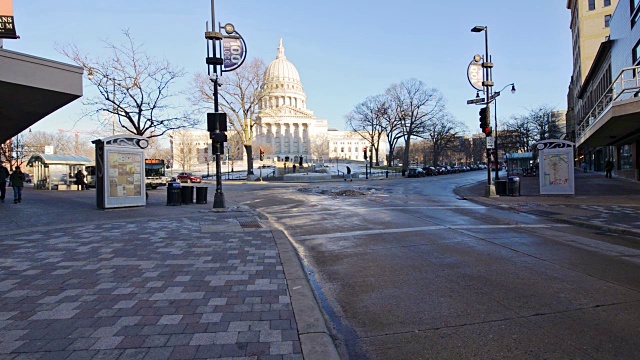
(282, 85)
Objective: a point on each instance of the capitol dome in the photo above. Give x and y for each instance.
(282, 85)
(281, 69)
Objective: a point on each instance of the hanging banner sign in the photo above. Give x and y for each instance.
(234, 52)
(475, 75)
(7, 24)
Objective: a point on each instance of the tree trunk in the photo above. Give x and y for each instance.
(405, 157)
(248, 149)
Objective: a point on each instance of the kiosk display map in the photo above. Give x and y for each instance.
(125, 170)
(557, 165)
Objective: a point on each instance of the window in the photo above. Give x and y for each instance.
(607, 2)
(626, 157)
(607, 20)
(635, 55)
(592, 4)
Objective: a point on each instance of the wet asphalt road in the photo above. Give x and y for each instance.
(405, 270)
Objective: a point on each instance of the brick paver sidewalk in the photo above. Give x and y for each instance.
(188, 287)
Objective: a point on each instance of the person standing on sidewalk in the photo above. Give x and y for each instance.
(348, 174)
(4, 174)
(584, 167)
(80, 179)
(608, 168)
(17, 182)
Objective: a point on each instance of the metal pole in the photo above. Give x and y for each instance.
(490, 190)
(113, 122)
(495, 137)
(218, 199)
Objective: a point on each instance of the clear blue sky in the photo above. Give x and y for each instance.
(344, 50)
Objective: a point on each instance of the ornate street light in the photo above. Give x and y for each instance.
(495, 111)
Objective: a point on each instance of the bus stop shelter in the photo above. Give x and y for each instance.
(518, 163)
(56, 171)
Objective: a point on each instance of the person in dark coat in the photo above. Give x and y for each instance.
(4, 175)
(80, 180)
(17, 182)
(608, 168)
(348, 174)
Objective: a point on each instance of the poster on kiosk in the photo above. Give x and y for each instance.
(120, 180)
(556, 167)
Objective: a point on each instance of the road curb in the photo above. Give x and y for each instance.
(315, 339)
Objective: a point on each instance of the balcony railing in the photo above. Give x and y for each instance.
(625, 86)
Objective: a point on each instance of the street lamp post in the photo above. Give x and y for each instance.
(495, 112)
(487, 83)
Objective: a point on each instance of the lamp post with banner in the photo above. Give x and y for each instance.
(232, 49)
(487, 84)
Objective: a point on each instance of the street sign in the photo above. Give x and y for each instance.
(475, 101)
(491, 143)
(475, 75)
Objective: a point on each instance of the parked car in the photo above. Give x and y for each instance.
(185, 177)
(415, 172)
(430, 171)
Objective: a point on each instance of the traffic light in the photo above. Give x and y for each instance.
(485, 120)
(364, 150)
(261, 154)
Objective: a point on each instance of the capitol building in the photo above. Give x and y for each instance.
(286, 130)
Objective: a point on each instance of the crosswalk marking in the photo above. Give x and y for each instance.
(373, 209)
(423, 228)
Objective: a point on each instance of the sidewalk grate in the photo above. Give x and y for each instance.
(249, 224)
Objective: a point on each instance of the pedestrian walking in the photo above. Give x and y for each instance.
(584, 167)
(17, 182)
(294, 168)
(608, 168)
(4, 174)
(80, 180)
(348, 174)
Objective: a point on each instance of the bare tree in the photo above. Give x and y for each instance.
(320, 146)
(544, 122)
(185, 152)
(415, 105)
(540, 123)
(367, 120)
(443, 132)
(62, 143)
(133, 86)
(239, 97)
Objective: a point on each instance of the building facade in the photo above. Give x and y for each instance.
(607, 106)
(590, 26)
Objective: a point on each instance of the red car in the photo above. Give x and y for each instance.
(188, 178)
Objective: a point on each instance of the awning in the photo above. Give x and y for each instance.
(619, 124)
(32, 88)
(49, 159)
